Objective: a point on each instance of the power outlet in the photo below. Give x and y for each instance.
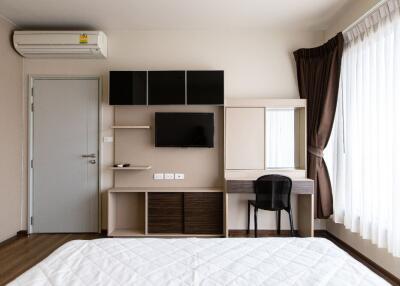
(158, 176)
(169, 176)
(179, 176)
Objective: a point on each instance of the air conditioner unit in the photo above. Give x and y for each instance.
(61, 44)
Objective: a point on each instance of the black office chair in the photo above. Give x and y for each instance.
(272, 194)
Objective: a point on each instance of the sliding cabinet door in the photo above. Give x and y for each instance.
(245, 137)
(165, 211)
(203, 213)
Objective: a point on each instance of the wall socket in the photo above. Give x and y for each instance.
(169, 176)
(179, 176)
(158, 176)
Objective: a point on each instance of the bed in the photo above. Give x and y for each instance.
(195, 261)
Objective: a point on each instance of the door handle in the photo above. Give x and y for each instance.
(89, 156)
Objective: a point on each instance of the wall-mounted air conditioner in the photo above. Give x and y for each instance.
(61, 44)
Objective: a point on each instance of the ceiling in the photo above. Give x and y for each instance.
(171, 14)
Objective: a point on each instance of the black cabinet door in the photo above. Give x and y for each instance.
(128, 88)
(165, 212)
(205, 87)
(166, 87)
(203, 213)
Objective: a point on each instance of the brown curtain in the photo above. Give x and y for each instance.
(318, 72)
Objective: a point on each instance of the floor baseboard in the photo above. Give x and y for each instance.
(360, 257)
(260, 233)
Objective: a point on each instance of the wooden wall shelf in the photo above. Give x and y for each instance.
(132, 168)
(131, 127)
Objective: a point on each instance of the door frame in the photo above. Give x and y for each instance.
(31, 79)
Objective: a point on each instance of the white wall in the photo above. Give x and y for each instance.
(257, 63)
(11, 134)
(346, 17)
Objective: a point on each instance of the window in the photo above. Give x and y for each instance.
(363, 155)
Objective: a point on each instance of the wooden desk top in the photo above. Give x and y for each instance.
(299, 186)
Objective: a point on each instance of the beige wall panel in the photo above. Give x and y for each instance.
(203, 167)
(11, 130)
(245, 138)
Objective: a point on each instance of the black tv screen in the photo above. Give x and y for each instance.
(182, 129)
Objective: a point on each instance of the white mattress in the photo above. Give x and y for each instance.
(193, 261)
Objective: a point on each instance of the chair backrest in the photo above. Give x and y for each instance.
(273, 192)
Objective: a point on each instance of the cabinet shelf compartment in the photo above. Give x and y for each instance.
(126, 214)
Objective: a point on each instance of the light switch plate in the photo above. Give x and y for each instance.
(108, 139)
(169, 176)
(179, 176)
(158, 176)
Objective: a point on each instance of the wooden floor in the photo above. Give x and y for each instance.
(21, 253)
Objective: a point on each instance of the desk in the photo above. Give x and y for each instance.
(303, 188)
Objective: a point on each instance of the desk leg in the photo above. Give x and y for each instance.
(226, 228)
(305, 215)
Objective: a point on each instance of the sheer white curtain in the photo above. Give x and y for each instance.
(363, 155)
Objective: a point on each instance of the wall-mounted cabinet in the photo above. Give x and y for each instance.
(128, 88)
(265, 137)
(166, 87)
(204, 87)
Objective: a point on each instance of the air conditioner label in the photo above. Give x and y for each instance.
(83, 39)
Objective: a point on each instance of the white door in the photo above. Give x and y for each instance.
(64, 177)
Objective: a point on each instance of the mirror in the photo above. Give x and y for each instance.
(280, 138)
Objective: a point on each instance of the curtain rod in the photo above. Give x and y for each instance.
(365, 15)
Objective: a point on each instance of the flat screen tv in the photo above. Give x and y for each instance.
(183, 129)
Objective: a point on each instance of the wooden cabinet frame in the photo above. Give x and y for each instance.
(128, 212)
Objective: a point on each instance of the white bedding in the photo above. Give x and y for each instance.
(193, 261)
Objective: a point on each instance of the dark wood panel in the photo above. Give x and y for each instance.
(246, 186)
(165, 212)
(261, 233)
(203, 213)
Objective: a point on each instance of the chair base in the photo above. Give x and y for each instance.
(278, 220)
